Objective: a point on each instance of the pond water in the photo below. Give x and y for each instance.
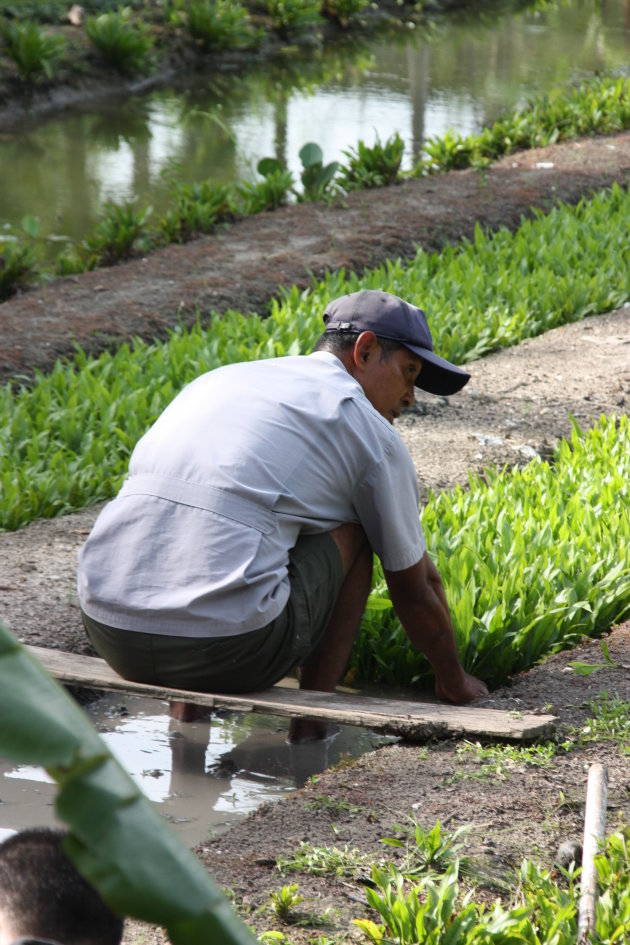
(203, 776)
(454, 72)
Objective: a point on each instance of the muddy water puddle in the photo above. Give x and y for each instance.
(202, 776)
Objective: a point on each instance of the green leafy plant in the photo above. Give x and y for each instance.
(270, 193)
(18, 259)
(219, 24)
(117, 233)
(343, 11)
(35, 53)
(374, 166)
(519, 580)
(290, 15)
(596, 106)
(198, 208)
(117, 839)
(316, 177)
(585, 669)
(284, 901)
(613, 876)
(450, 152)
(419, 915)
(126, 46)
(425, 850)
(173, 12)
(274, 937)
(542, 911)
(71, 261)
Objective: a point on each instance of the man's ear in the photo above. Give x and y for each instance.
(364, 348)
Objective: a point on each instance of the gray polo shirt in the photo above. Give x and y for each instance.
(241, 462)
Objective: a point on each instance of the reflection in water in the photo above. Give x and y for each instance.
(203, 776)
(455, 72)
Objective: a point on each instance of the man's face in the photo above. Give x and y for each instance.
(387, 380)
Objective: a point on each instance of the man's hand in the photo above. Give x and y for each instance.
(462, 690)
(419, 599)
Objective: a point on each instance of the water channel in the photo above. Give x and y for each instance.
(458, 72)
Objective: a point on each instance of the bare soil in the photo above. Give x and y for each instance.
(519, 403)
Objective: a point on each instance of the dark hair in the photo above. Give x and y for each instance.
(338, 342)
(42, 894)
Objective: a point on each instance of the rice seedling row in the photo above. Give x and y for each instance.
(532, 559)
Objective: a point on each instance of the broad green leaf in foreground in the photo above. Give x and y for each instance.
(117, 839)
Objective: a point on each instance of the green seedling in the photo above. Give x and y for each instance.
(585, 669)
(542, 911)
(274, 937)
(316, 177)
(270, 193)
(117, 234)
(123, 44)
(220, 24)
(374, 166)
(597, 106)
(35, 53)
(198, 208)
(173, 12)
(288, 16)
(18, 265)
(498, 762)
(343, 11)
(425, 850)
(450, 151)
(285, 900)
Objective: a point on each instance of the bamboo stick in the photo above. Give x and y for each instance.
(594, 835)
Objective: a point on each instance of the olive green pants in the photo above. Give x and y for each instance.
(246, 662)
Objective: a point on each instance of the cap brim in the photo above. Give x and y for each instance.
(438, 376)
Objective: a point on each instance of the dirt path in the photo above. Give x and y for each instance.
(518, 403)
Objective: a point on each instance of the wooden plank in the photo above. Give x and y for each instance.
(412, 720)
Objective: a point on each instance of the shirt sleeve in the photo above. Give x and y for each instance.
(387, 505)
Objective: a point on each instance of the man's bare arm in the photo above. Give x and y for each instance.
(418, 597)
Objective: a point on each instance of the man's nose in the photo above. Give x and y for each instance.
(409, 397)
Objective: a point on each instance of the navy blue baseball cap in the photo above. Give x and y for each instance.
(393, 318)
